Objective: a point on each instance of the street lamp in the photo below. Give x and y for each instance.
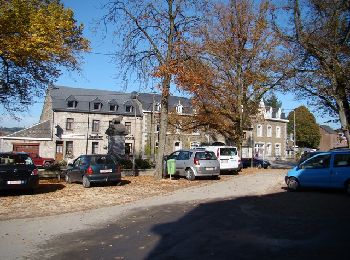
(134, 97)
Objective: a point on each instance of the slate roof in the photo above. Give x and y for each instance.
(86, 97)
(328, 129)
(41, 130)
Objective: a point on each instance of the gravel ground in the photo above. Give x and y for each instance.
(20, 236)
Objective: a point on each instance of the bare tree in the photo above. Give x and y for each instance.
(151, 32)
(319, 40)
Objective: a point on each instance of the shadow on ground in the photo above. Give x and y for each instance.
(303, 225)
(41, 189)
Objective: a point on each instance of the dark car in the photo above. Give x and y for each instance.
(259, 163)
(94, 168)
(17, 171)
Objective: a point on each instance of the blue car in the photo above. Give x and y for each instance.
(324, 170)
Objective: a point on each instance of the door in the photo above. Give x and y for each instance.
(59, 151)
(182, 162)
(76, 172)
(316, 171)
(341, 169)
(27, 148)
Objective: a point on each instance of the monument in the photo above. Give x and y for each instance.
(116, 137)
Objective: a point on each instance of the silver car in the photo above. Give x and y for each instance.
(192, 163)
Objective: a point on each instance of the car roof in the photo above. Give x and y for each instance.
(13, 153)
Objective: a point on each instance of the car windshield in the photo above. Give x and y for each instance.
(101, 160)
(228, 151)
(14, 159)
(206, 155)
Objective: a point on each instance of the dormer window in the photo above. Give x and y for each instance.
(129, 109)
(97, 105)
(72, 103)
(113, 108)
(179, 109)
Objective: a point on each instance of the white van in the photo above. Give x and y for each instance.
(227, 156)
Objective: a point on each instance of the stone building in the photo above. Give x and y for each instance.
(76, 120)
(330, 139)
(268, 135)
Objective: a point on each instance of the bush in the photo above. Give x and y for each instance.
(143, 164)
(53, 167)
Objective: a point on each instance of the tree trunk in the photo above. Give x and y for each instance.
(163, 127)
(344, 115)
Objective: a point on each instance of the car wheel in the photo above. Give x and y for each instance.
(259, 166)
(293, 184)
(86, 182)
(190, 175)
(67, 178)
(47, 165)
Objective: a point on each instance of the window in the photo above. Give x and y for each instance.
(97, 106)
(194, 144)
(129, 109)
(259, 131)
(157, 127)
(128, 127)
(185, 155)
(157, 107)
(278, 132)
(268, 149)
(321, 161)
(72, 104)
(69, 147)
(277, 149)
(177, 145)
(342, 160)
(269, 131)
(95, 125)
(113, 108)
(69, 124)
(94, 148)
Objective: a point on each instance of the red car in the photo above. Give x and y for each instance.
(41, 161)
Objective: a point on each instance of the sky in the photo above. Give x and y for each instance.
(99, 71)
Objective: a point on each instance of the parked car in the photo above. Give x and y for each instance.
(324, 170)
(259, 163)
(227, 156)
(308, 155)
(17, 171)
(41, 161)
(192, 163)
(94, 168)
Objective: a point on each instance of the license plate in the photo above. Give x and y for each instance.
(105, 171)
(210, 168)
(15, 182)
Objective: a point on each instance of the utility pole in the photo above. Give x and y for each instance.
(294, 136)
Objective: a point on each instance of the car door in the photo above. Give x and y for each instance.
(182, 162)
(75, 171)
(315, 172)
(341, 169)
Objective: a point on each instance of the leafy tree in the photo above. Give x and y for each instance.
(151, 32)
(272, 101)
(306, 128)
(320, 42)
(233, 64)
(37, 38)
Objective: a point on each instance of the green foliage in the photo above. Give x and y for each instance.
(37, 38)
(307, 130)
(272, 101)
(139, 164)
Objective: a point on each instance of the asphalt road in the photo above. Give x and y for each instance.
(306, 225)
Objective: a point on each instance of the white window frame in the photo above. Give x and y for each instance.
(179, 109)
(268, 152)
(259, 130)
(278, 132)
(269, 131)
(280, 149)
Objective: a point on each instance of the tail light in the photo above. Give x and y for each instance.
(34, 172)
(196, 161)
(89, 170)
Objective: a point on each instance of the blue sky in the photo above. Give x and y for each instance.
(100, 72)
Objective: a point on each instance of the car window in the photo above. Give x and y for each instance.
(14, 159)
(342, 160)
(184, 155)
(173, 155)
(101, 160)
(77, 161)
(206, 155)
(228, 151)
(318, 162)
